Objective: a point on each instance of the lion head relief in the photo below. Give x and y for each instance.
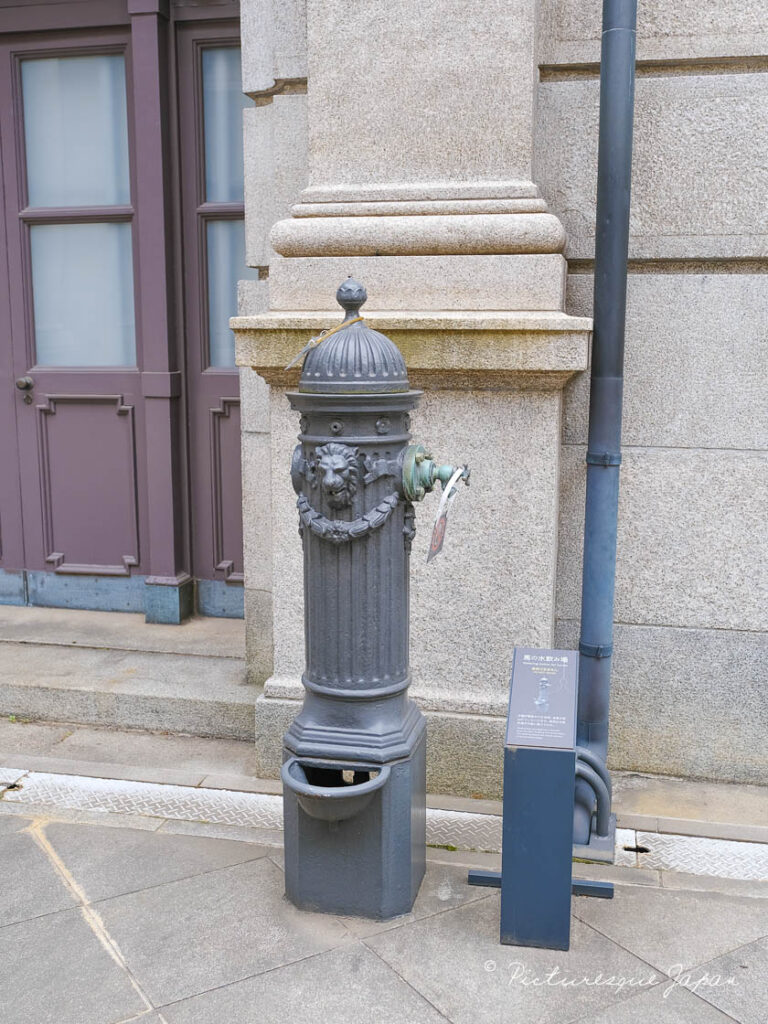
(337, 469)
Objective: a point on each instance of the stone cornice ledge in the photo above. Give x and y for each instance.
(475, 350)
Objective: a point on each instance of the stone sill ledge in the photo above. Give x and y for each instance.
(427, 698)
(531, 350)
(383, 320)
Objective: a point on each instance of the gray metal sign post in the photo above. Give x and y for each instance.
(539, 784)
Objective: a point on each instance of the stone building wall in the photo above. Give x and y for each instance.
(275, 150)
(690, 690)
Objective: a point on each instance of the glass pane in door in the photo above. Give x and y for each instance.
(76, 131)
(82, 277)
(226, 266)
(223, 102)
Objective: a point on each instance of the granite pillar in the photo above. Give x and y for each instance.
(419, 183)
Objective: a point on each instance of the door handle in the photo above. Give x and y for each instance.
(24, 383)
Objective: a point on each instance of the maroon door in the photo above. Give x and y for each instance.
(121, 235)
(210, 116)
(12, 577)
(75, 349)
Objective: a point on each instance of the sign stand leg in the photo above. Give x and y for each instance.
(579, 886)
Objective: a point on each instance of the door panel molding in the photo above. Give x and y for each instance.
(57, 559)
(223, 563)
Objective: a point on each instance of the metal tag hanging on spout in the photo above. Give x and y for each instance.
(450, 491)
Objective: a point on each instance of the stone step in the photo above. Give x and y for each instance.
(124, 631)
(112, 669)
(100, 752)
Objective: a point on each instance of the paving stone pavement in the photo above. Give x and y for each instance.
(109, 925)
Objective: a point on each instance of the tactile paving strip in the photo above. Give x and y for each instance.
(115, 796)
(464, 831)
(691, 854)
(10, 776)
(221, 807)
(624, 853)
(696, 855)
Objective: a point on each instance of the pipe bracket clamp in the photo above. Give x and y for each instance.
(603, 459)
(596, 650)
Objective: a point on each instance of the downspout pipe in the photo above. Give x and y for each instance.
(614, 169)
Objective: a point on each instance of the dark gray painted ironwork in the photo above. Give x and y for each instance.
(602, 797)
(540, 770)
(536, 841)
(617, 75)
(537, 828)
(354, 758)
(579, 886)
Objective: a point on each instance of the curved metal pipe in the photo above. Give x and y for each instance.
(590, 757)
(617, 79)
(599, 788)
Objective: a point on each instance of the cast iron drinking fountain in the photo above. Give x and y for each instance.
(354, 759)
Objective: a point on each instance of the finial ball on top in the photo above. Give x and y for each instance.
(351, 295)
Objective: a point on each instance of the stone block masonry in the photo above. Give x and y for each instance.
(691, 593)
(450, 163)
